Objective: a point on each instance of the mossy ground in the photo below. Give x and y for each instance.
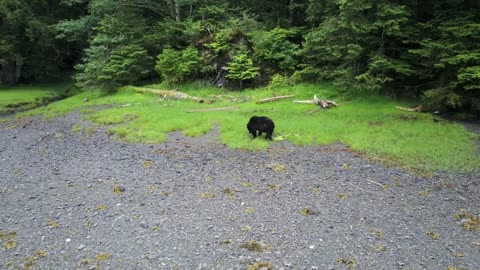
(27, 97)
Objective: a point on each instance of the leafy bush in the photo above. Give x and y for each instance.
(279, 81)
(242, 68)
(275, 47)
(115, 56)
(451, 55)
(175, 66)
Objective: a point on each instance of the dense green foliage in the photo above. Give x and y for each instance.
(175, 66)
(417, 48)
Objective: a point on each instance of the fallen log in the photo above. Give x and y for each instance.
(173, 94)
(322, 103)
(213, 109)
(419, 108)
(272, 99)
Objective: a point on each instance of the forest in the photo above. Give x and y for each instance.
(422, 49)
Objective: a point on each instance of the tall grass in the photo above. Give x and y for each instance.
(370, 125)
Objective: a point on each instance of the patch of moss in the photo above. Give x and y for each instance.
(247, 184)
(10, 244)
(207, 195)
(89, 130)
(249, 210)
(9, 236)
(307, 212)
(150, 189)
(261, 266)
(77, 128)
(245, 228)
(469, 221)
(147, 164)
(274, 187)
(425, 193)
(30, 263)
(84, 262)
(432, 235)
(53, 224)
(41, 253)
(253, 245)
(377, 233)
(101, 207)
(103, 256)
(448, 185)
(230, 193)
(348, 262)
(276, 167)
(117, 190)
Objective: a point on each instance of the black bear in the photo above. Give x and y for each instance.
(262, 124)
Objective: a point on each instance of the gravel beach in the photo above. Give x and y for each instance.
(86, 200)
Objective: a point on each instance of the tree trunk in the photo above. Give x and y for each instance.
(10, 72)
(177, 11)
(290, 12)
(425, 10)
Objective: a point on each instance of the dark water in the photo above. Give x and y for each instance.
(4, 116)
(473, 126)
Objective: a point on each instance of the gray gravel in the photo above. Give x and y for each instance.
(192, 203)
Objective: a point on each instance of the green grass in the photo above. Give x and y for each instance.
(371, 125)
(26, 96)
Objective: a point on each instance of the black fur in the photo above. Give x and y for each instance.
(262, 124)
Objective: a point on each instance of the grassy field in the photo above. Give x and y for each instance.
(26, 96)
(371, 125)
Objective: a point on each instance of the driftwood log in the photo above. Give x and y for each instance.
(272, 99)
(173, 94)
(419, 108)
(322, 103)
